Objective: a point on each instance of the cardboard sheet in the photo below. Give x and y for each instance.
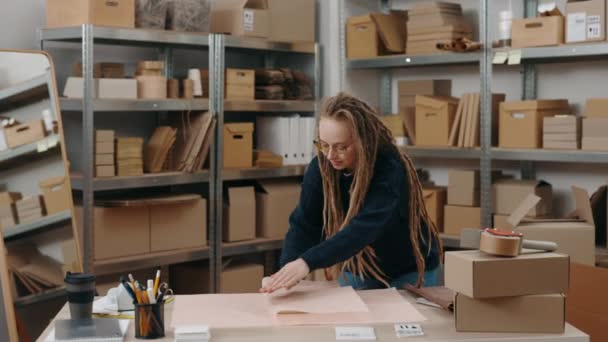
(317, 301)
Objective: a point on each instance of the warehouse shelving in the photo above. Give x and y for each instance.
(145, 181)
(15, 154)
(563, 53)
(36, 85)
(269, 106)
(47, 222)
(442, 153)
(41, 297)
(103, 105)
(405, 61)
(261, 173)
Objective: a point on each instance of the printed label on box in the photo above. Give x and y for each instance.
(576, 27)
(594, 25)
(248, 20)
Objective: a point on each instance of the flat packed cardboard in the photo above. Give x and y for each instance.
(587, 304)
(104, 159)
(24, 133)
(434, 118)
(480, 275)
(434, 201)
(241, 18)
(408, 89)
(63, 13)
(104, 136)
(585, 20)
(595, 136)
(275, 201)
(178, 225)
(57, 195)
(238, 145)
(509, 193)
(594, 144)
(292, 21)
(239, 214)
(521, 122)
(561, 124)
(104, 171)
(193, 278)
(457, 218)
(596, 108)
(540, 31)
(375, 34)
(104, 148)
(240, 84)
(523, 314)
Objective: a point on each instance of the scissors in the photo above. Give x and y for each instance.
(164, 293)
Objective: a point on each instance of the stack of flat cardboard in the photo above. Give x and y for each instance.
(129, 156)
(262, 158)
(465, 129)
(430, 23)
(524, 294)
(30, 209)
(158, 147)
(595, 125)
(561, 132)
(104, 153)
(8, 211)
(192, 143)
(31, 271)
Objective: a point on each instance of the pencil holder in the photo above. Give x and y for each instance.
(149, 321)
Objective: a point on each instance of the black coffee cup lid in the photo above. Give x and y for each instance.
(78, 278)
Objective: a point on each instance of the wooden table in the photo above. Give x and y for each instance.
(439, 326)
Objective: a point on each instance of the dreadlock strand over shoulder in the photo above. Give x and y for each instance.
(370, 135)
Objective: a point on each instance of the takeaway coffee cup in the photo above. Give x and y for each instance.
(81, 291)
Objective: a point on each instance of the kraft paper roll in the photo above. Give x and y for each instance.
(173, 88)
(188, 89)
(508, 246)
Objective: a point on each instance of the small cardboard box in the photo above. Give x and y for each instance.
(521, 122)
(7, 198)
(375, 34)
(104, 136)
(509, 194)
(292, 21)
(105, 171)
(104, 148)
(595, 134)
(179, 223)
(104, 159)
(585, 20)
(239, 214)
(587, 298)
(523, 314)
(240, 84)
(596, 108)
(275, 201)
(241, 18)
(434, 201)
(464, 185)
(117, 88)
(394, 123)
(151, 87)
(480, 275)
(457, 218)
(408, 89)
(561, 131)
(64, 13)
(540, 31)
(434, 118)
(57, 194)
(238, 145)
(25, 133)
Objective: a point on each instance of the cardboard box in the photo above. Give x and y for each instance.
(240, 84)
(24, 133)
(587, 304)
(521, 122)
(104, 159)
(464, 185)
(193, 278)
(74, 87)
(117, 88)
(375, 34)
(408, 89)
(178, 225)
(595, 136)
(104, 171)
(596, 108)
(480, 275)
(239, 214)
(57, 194)
(594, 144)
(104, 136)
(585, 20)
(151, 87)
(562, 131)
(275, 201)
(509, 193)
(7, 198)
(540, 31)
(119, 231)
(104, 148)
(238, 145)
(292, 21)
(394, 123)
(523, 314)
(241, 18)
(434, 201)
(434, 118)
(457, 218)
(63, 13)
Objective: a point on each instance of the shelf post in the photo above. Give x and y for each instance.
(485, 68)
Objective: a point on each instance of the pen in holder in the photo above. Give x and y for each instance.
(149, 320)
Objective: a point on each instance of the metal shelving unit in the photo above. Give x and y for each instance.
(263, 173)
(41, 297)
(36, 84)
(45, 145)
(442, 153)
(45, 223)
(405, 61)
(145, 181)
(168, 105)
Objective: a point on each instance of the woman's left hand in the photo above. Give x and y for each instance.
(288, 276)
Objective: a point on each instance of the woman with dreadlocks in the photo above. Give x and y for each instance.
(361, 214)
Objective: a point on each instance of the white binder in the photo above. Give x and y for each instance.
(272, 134)
(295, 152)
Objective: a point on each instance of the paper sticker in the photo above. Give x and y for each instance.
(53, 141)
(514, 57)
(500, 57)
(576, 27)
(42, 146)
(248, 20)
(355, 333)
(594, 25)
(408, 330)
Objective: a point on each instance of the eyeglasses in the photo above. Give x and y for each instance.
(339, 149)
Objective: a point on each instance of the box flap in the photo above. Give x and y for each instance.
(236, 128)
(535, 105)
(524, 208)
(391, 28)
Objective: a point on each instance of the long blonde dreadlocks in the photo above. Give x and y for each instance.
(369, 135)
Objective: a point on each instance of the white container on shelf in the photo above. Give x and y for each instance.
(505, 23)
(195, 76)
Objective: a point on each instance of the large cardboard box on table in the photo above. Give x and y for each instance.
(521, 314)
(178, 222)
(275, 201)
(375, 34)
(585, 20)
(587, 304)
(238, 145)
(408, 89)
(434, 201)
(595, 134)
(434, 118)
(521, 122)
(248, 18)
(193, 278)
(63, 13)
(480, 275)
(539, 31)
(239, 214)
(456, 218)
(292, 21)
(509, 193)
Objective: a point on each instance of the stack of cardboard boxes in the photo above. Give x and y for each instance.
(430, 23)
(30, 209)
(561, 132)
(129, 156)
(375, 34)
(524, 294)
(595, 125)
(104, 153)
(462, 209)
(8, 211)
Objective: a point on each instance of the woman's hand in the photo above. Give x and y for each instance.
(288, 276)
